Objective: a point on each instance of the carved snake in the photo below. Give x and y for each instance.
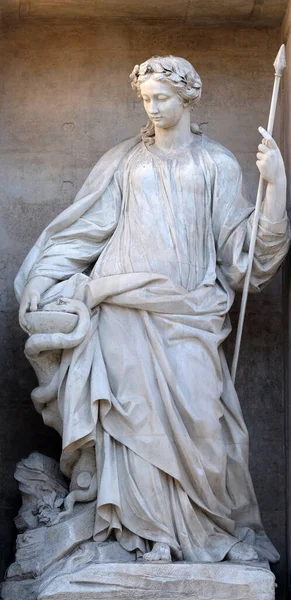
(36, 348)
(40, 343)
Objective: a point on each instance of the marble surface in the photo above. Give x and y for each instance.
(147, 261)
(163, 582)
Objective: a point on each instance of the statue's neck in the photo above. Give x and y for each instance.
(175, 138)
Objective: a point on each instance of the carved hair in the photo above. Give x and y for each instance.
(179, 73)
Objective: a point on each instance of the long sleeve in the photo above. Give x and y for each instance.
(78, 246)
(232, 225)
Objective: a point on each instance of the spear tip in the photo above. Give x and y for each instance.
(280, 62)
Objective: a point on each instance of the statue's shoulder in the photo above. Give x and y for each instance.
(222, 157)
(109, 163)
(123, 147)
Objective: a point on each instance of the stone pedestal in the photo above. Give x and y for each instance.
(139, 581)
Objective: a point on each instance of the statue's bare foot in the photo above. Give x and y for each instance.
(242, 552)
(159, 553)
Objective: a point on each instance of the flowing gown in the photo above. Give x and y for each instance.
(149, 386)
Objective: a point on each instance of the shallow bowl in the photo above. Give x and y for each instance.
(42, 321)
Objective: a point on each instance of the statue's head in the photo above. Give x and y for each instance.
(167, 85)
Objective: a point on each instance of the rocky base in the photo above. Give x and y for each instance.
(139, 581)
(58, 559)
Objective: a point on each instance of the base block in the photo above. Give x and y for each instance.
(176, 581)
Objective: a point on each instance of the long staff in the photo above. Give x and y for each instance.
(279, 65)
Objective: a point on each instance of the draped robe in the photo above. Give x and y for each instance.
(166, 242)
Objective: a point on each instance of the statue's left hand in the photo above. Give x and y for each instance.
(270, 162)
(31, 297)
(29, 302)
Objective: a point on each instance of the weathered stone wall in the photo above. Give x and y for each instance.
(66, 99)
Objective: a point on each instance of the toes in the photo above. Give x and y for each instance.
(242, 552)
(159, 553)
(147, 556)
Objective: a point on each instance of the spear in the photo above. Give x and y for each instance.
(279, 65)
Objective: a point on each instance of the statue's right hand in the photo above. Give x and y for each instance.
(29, 302)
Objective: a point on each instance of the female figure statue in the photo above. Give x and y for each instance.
(151, 254)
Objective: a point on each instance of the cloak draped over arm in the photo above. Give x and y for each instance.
(91, 192)
(232, 219)
(76, 247)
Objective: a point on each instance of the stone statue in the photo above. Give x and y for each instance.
(125, 298)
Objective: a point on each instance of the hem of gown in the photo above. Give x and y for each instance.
(132, 541)
(145, 547)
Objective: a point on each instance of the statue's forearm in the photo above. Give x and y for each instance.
(41, 283)
(274, 205)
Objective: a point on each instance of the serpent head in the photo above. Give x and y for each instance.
(64, 305)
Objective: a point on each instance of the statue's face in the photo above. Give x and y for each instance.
(162, 104)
